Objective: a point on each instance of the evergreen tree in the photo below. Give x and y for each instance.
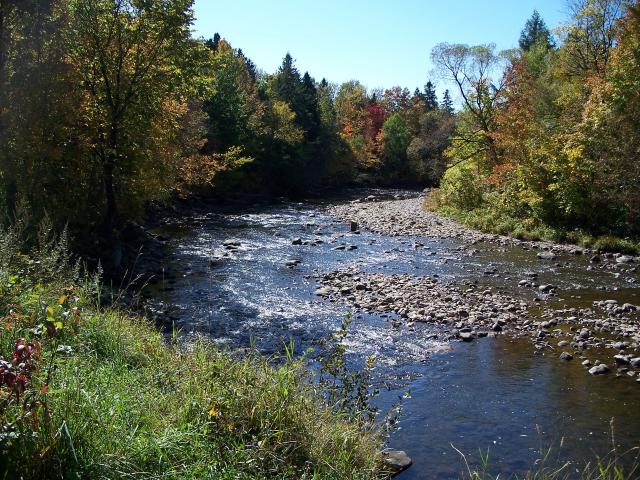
(430, 97)
(212, 43)
(535, 32)
(251, 67)
(447, 104)
(310, 120)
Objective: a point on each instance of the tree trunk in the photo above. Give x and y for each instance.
(112, 217)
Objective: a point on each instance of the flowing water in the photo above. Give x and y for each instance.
(495, 393)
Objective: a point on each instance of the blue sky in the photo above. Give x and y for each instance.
(380, 43)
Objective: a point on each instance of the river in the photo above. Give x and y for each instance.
(499, 394)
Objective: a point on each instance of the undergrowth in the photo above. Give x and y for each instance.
(490, 220)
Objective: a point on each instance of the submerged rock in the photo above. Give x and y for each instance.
(547, 256)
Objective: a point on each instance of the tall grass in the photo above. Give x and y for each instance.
(87, 392)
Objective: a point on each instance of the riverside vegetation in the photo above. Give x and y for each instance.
(93, 392)
(111, 110)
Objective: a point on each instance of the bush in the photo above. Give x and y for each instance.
(460, 187)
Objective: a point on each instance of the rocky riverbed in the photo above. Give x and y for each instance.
(466, 312)
(406, 216)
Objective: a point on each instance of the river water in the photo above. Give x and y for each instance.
(495, 394)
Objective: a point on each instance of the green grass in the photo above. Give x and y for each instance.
(489, 220)
(109, 397)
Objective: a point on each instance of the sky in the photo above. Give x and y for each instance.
(380, 43)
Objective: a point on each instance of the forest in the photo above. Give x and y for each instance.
(113, 105)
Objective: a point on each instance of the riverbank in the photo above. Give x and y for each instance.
(488, 219)
(89, 392)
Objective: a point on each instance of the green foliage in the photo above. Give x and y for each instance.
(460, 187)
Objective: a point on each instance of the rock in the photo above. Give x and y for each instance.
(586, 363)
(231, 243)
(353, 226)
(296, 241)
(396, 460)
(291, 263)
(547, 255)
(599, 369)
(622, 359)
(466, 336)
(566, 356)
(625, 259)
(595, 259)
(545, 288)
(635, 362)
(352, 247)
(323, 291)
(563, 343)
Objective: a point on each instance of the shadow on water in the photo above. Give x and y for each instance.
(493, 393)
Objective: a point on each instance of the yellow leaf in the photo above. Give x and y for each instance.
(213, 412)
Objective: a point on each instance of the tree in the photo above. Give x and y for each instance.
(430, 97)
(535, 32)
(425, 153)
(395, 140)
(591, 35)
(471, 69)
(133, 61)
(447, 103)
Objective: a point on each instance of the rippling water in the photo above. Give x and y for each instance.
(493, 393)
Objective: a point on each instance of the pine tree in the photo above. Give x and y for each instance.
(535, 32)
(212, 43)
(447, 104)
(310, 111)
(430, 97)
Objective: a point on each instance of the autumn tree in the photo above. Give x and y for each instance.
(133, 61)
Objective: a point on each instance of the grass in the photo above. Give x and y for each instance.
(609, 467)
(87, 392)
(489, 220)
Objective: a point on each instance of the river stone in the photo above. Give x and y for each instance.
(354, 226)
(635, 362)
(231, 243)
(566, 356)
(625, 259)
(563, 343)
(396, 460)
(599, 369)
(622, 359)
(296, 241)
(546, 256)
(466, 336)
(323, 291)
